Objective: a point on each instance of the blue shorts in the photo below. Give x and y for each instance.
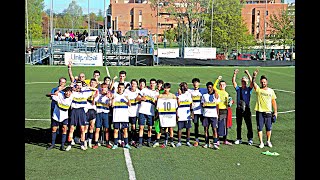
(197, 117)
(56, 123)
(207, 121)
(263, 119)
(91, 114)
(143, 118)
(102, 119)
(184, 124)
(78, 117)
(133, 120)
(120, 125)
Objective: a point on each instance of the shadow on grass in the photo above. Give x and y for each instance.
(39, 136)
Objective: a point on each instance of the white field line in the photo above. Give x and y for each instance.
(283, 112)
(132, 174)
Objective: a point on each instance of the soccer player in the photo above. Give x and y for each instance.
(91, 113)
(266, 101)
(60, 114)
(122, 79)
(210, 115)
(103, 102)
(78, 113)
(148, 98)
(243, 98)
(132, 94)
(184, 113)
(167, 108)
(222, 109)
(120, 105)
(156, 117)
(196, 94)
(81, 76)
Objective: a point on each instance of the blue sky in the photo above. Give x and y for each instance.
(60, 5)
(94, 5)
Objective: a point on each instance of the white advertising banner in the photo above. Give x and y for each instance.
(168, 52)
(83, 59)
(200, 53)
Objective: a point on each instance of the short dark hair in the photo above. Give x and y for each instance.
(121, 84)
(166, 85)
(159, 81)
(263, 77)
(123, 72)
(67, 89)
(107, 77)
(142, 80)
(93, 79)
(133, 80)
(96, 71)
(195, 80)
(153, 79)
(209, 83)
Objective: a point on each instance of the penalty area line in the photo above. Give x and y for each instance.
(132, 174)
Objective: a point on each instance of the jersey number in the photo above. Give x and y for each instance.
(167, 106)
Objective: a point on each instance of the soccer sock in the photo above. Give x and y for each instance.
(149, 139)
(166, 136)
(140, 140)
(224, 138)
(107, 142)
(125, 141)
(188, 139)
(85, 136)
(64, 137)
(91, 135)
(54, 136)
(171, 139)
(215, 140)
(196, 131)
(115, 141)
(207, 139)
(81, 143)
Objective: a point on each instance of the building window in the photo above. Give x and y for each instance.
(140, 25)
(140, 12)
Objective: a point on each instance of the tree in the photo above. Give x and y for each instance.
(34, 8)
(283, 28)
(72, 17)
(229, 29)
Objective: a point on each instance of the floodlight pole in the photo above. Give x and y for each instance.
(157, 25)
(211, 23)
(264, 34)
(27, 21)
(88, 19)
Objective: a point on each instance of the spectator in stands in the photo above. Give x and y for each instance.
(130, 44)
(114, 39)
(278, 56)
(164, 42)
(67, 36)
(272, 55)
(119, 35)
(58, 36)
(72, 37)
(97, 43)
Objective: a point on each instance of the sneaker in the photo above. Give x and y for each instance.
(172, 144)
(127, 146)
(261, 145)
(99, 144)
(62, 148)
(83, 148)
(188, 144)
(51, 147)
(149, 144)
(269, 144)
(95, 146)
(238, 141)
(156, 144)
(72, 142)
(115, 147)
(196, 143)
(250, 142)
(90, 143)
(178, 144)
(227, 143)
(138, 145)
(163, 146)
(215, 147)
(68, 148)
(108, 146)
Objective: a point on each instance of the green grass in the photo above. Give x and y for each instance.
(157, 163)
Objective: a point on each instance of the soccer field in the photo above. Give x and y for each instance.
(229, 162)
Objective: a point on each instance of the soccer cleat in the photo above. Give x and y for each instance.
(133, 143)
(72, 142)
(68, 148)
(51, 147)
(138, 145)
(108, 146)
(227, 143)
(269, 144)
(215, 147)
(196, 143)
(122, 144)
(205, 146)
(261, 145)
(188, 144)
(62, 148)
(172, 144)
(218, 143)
(238, 141)
(178, 144)
(83, 148)
(156, 144)
(99, 144)
(250, 142)
(163, 146)
(85, 144)
(95, 146)
(115, 147)
(149, 144)
(127, 146)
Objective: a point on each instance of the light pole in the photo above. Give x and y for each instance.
(157, 25)
(211, 23)
(264, 34)
(27, 22)
(88, 19)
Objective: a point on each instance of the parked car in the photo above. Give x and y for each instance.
(245, 57)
